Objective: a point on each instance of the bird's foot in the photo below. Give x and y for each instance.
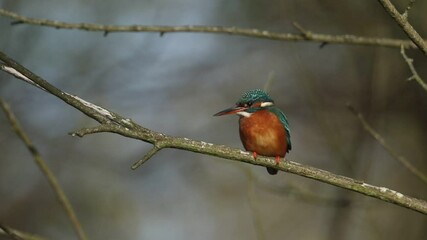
(254, 154)
(277, 160)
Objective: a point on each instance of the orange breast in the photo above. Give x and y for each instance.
(264, 134)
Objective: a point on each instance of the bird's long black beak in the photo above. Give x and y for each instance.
(231, 110)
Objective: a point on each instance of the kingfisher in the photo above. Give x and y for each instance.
(263, 128)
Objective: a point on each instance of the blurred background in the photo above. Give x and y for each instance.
(174, 84)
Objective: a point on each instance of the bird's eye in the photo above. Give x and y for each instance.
(245, 105)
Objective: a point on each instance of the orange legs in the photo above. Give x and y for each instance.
(270, 170)
(277, 160)
(254, 154)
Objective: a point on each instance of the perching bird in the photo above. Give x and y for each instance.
(263, 128)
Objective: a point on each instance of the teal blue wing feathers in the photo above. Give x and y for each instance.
(285, 123)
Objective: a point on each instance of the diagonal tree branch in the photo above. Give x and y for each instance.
(53, 181)
(306, 36)
(9, 232)
(147, 156)
(126, 127)
(18, 235)
(403, 160)
(415, 76)
(402, 20)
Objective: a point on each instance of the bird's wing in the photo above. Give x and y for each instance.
(285, 123)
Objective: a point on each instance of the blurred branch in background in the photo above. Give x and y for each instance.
(414, 72)
(307, 196)
(301, 194)
(269, 82)
(345, 157)
(256, 219)
(18, 235)
(290, 191)
(405, 162)
(10, 232)
(112, 122)
(402, 20)
(60, 194)
(306, 36)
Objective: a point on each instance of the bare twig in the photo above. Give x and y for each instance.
(414, 72)
(18, 235)
(10, 232)
(405, 162)
(402, 20)
(126, 127)
(307, 34)
(45, 169)
(87, 131)
(156, 147)
(256, 33)
(408, 8)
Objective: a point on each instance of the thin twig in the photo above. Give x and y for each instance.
(126, 127)
(408, 8)
(147, 156)
(10, 232)
(414, 72)
(405, 162)
(307, 34)
(18, 235)
(256, 33)
(45, 169)
(402, 20)
(87, 131)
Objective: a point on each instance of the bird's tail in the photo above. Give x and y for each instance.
(272, 171)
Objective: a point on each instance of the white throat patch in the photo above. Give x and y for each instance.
(244, 114)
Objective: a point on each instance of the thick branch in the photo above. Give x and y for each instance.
(53, 181)
(18, 75)
(256, 33)
(128, 128)
(402, 20)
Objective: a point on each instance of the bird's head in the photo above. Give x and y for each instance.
(250, 102)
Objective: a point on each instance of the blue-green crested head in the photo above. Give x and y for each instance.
(250, 102)
(253, 96)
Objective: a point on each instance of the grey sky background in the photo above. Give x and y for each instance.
(174, 84)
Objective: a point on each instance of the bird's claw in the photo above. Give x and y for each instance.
(254, 154)
(277, 160)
